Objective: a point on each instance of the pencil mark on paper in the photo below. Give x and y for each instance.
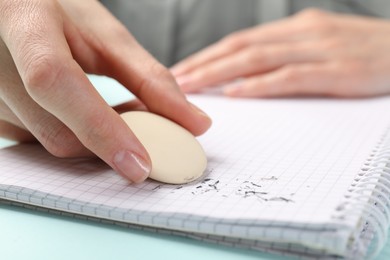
(207, 185)
(272, 178)
(157, 187)
(256, 185)
(214, 185)
(249, 189)
(254, 193)
(283, 199)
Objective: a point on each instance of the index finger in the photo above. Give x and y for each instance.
(121, 57)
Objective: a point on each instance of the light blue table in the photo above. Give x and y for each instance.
(28, 234)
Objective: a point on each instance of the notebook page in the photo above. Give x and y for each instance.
(272, 161)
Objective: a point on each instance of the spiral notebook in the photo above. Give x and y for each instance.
(305, 177)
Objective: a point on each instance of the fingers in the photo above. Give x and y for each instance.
(209, 54)
(252, 60)
(19, 109)
(311, 53)
(156, 88)
(253, 51)
(6, 114)
(11, 127)
(121, 57)
(280, 31)
(57, 84)
(293, 80)
(158, 91)
(14, 133)
(53, 134)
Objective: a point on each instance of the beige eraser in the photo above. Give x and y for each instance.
(177, 157)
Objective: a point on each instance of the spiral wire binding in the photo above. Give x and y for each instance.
(369, 197)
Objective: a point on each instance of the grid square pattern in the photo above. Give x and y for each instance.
(277, 171)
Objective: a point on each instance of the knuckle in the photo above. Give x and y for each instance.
(312, 13)
(97, 131)
(235, 40)
(290, 81)
(254, 57)
(157, 76)
(5, 111)
(40, 65)
(60, 150)
(204, 74)
(23, 19)
(289, 75)
(317, 21)
(58, 140)
(8, 9)
(119, 35)
(42, 71)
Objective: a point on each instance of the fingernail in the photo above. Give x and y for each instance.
(133, 166)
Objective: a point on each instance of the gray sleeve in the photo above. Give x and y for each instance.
(378, 8)
(173, 29)
(152, 22)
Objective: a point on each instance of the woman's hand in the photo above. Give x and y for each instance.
(46, 47)
(311, 53)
